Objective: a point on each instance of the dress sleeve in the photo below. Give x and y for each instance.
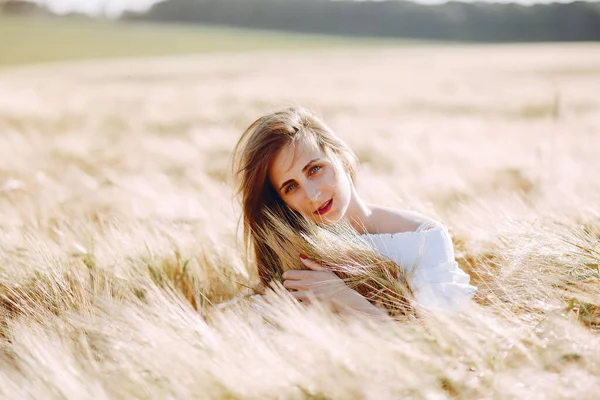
(437, 281)
(427, 258)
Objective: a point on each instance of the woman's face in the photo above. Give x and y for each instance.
(311, 183)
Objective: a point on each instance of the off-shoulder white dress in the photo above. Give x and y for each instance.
(427, 257)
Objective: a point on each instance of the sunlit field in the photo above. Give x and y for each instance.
(26, 40)
(119, 232)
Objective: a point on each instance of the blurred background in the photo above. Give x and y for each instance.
(49, 30)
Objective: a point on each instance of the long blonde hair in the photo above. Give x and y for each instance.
(274, 235)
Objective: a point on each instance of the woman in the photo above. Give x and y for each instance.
(295, 175)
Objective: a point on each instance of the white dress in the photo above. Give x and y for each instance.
(427, 257)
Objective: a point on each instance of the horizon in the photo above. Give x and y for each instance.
(115, 8)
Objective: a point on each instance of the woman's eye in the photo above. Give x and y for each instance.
(290, 187)
(315, 169)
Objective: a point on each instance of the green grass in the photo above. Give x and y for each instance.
(26, 40)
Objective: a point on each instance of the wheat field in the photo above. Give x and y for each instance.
(119, 232)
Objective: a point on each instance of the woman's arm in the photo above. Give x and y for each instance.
(326, 286)
(354, 303)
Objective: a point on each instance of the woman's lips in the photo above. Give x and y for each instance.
(324, 208)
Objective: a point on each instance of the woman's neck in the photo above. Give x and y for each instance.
(359, 213)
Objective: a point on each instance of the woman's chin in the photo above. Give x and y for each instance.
(328, 219)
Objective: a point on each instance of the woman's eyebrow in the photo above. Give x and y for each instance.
(310, 162)
(303, 169)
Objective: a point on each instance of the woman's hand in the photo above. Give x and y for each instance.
(326, 286)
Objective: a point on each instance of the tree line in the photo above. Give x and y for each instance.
(577, 21)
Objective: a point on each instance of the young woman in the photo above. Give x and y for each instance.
(289, 166)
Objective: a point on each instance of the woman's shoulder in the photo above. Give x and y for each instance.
(413, 239)
(385, 220)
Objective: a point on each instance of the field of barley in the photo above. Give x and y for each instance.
(119, 231)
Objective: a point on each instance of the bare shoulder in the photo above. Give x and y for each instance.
(390, 220)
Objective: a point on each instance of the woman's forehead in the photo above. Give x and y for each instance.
(294, 156)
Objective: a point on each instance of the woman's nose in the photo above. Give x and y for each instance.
(313, 193)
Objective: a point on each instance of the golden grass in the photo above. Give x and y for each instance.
(119, 234)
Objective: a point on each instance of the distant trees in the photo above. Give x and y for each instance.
(19, 7)
(577, 21)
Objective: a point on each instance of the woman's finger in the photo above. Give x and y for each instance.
(297, 274)
(301, 296)
(311, 264)
(298, 285)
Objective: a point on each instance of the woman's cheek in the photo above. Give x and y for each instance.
(294, 202)
(330, 179)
